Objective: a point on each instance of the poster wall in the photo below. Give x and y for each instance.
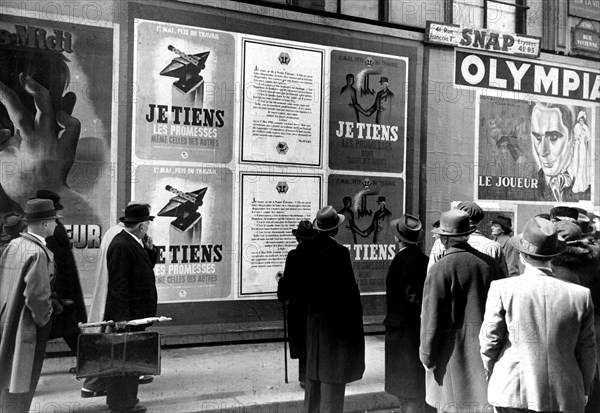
(60, 142)
(192, 229)
(184, 93)
(538, 150)
(369, 205)
(282, 104)
(367, 127)
(272, 206)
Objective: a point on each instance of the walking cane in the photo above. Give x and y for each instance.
(285, 342)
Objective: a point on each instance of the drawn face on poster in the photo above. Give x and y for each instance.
(184, 93)
(534, 151)
(367, 112)
(55, 115)
(369, 205)
(192, 229)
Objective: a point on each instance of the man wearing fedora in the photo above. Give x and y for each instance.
(131, 291)
(404, 376)
(454, 298)
(501, 230)
(335, 338)
(11, 228)
(477, 240)
(383, 104)
(26, 272)
(66, 280)
(292, 288)
(537, 339)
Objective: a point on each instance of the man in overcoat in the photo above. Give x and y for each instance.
(292, 288)
(501, 233)
(335, 336)
(537, 340)
(131, 291)
(67, 284)
(454, 297)
(26, 271)
(404, 375)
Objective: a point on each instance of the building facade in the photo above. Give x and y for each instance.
(236, 119)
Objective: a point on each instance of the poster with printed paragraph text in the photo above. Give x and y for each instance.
(367, 123)
(369, 205)
(59, 139)
(282, 105)
(192, 229)
(536, 150)
(272, 206)
(184, 93)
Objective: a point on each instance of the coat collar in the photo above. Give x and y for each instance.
(135, 245)
(36, 241)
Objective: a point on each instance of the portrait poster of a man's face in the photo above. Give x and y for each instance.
(535, 150)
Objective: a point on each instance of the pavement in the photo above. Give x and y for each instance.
(235, 378)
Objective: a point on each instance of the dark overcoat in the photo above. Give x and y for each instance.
(335, 342)
(66, 285)
(292, 288)
(131, 284)
(404, 374)
(454, 298)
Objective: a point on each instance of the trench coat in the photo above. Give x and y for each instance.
(454, 298)
(66, 285)
(537, 342)
(131, 284)
(292, 287)
(335, 337)
(404, 374)
(26, 269)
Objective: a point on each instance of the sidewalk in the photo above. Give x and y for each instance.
(246, 378)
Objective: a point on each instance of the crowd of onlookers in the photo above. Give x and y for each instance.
(482, 324)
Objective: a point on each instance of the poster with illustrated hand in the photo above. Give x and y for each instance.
(183, 93)
(192, 229)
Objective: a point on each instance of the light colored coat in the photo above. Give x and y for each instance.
(26, 268)
(537, 342)
(96, 313)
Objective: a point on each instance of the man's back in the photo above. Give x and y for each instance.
(541, 352)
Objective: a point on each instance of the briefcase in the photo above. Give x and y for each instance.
(116, 354)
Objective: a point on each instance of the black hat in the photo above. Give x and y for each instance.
(408, 229)
(136, 213)
(381, 199)
(40, 210)
(475, 212)
(12, 224)
(53, 196)
(504, 222)
(305, 230)
(564, 213)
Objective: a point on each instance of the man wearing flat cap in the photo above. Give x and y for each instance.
(537, 339)
(404, 376)
(26, 272)
(11, 227)
(454, 297)
(335, 344)
(131, 291)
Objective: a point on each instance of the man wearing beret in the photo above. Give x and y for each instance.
(26, 272)
(131, 292)
(537, 339)
(501, 230)
(454, 297)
